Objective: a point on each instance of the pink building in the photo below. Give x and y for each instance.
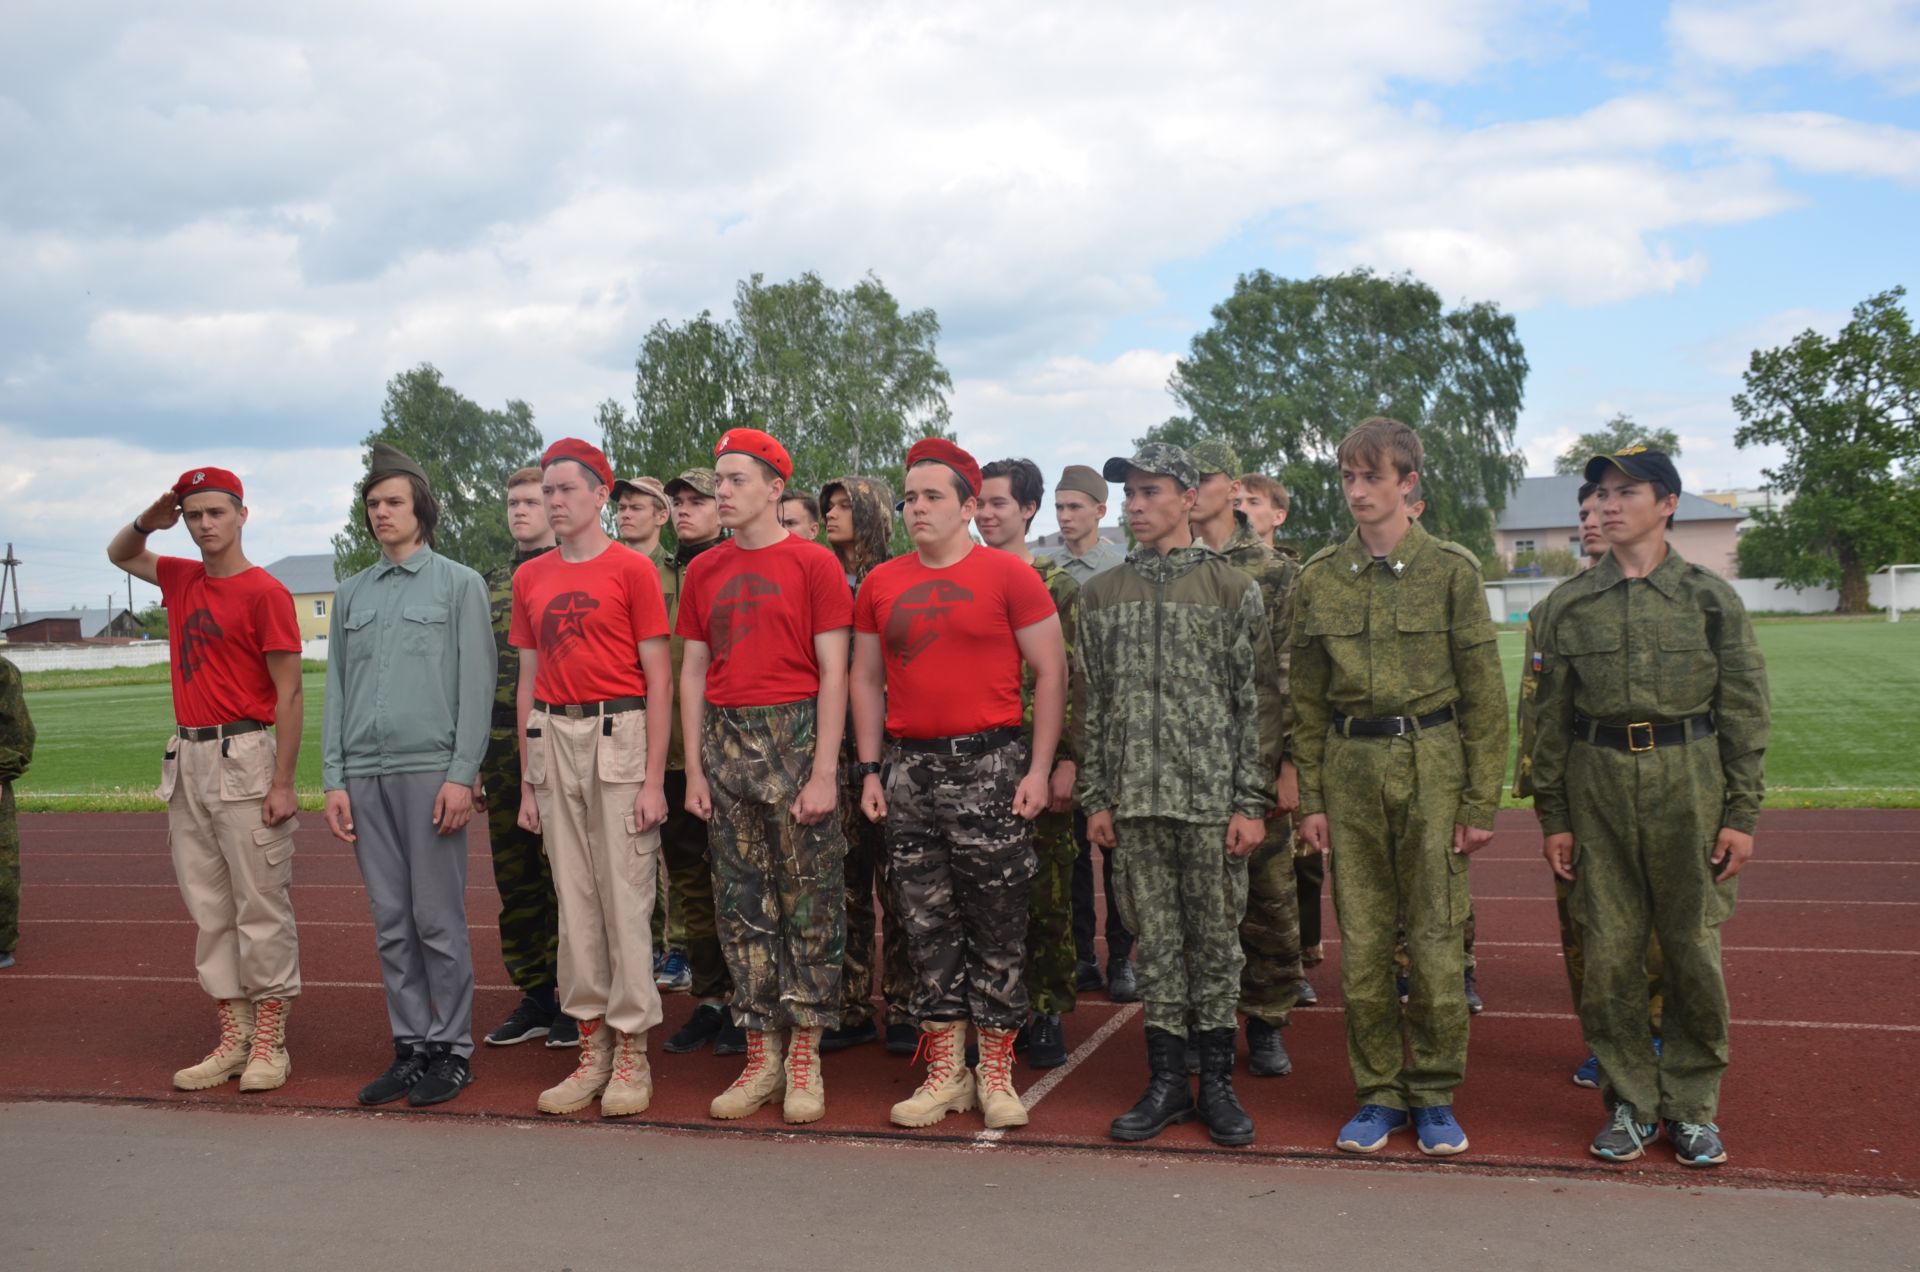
(1543, 514)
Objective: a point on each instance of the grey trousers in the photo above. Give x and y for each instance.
(417, 888)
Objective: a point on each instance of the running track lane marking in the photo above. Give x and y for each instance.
(1038, 1091)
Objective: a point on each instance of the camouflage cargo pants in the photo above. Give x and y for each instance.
(9, 871)
(868, 876)
(1184, 896)
(1270, 933)
(1309, 877)
(1402, 960)
(529, 912)
(962, 862)
(693, 929)
(1575, 958)
(1050, 944)
(779, 887)
(1391, 803)
(1643, 828)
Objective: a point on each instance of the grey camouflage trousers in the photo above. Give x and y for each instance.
(1184, 896)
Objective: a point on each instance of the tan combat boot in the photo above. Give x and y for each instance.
(630, 1088)
(759, 1082)
(806, 1087)
(994, 1079)
(949, 1083)
(589, 1078)
(268, 1063)
(229, 1055)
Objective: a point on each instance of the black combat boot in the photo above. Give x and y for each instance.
(1266, 1055)
(1169, 1099)
(1220, 1109)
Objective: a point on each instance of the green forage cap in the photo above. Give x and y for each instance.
(1155, 457)
(1215, 455)
(388, 460)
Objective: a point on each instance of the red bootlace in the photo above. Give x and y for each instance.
(996, 1062)
(623, 1064)
(231, 1034)
(266, 1018)
(756, 1058)
(588, 1028)
(937, 1047)
(800, 1058)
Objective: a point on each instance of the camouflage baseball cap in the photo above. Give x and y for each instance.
(1215, 455)
(648, 486)
(1155, 457)
(701, 481)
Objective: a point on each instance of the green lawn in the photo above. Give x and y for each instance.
(1846, 724)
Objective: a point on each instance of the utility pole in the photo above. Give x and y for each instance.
(10, 574)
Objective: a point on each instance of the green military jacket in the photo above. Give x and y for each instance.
(1066, 602)
(1675, 644)
(1175, 654)
(1276, 572)
(506, 682)
(1523, 710)
(16, 732)
(1405, 636)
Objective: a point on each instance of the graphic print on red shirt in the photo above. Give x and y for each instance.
(221, 631)
(758, 611)
(947, 638)
(586, 620)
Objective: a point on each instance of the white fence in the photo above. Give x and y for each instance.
(1509, 599)
(92, 657)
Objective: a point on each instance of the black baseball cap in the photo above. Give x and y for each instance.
(1641, 463)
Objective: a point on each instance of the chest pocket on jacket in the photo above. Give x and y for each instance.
(1688, 669)
(361, 639)
(1422, 624)
(1593, 650)
(423, 630)
(1332, 616)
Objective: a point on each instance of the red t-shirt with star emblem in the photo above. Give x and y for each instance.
(758, 611)
(947, 636)
(221, 631)
(586, 620)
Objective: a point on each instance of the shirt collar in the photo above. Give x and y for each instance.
(1665, 577)
(1413, 544)
(421, 555)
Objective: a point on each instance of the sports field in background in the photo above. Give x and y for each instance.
(1846, 722)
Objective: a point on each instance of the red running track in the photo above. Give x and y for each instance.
(1821, 959)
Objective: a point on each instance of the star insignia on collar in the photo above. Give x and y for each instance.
(1399, 567)
(1354, 568)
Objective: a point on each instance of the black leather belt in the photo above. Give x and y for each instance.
(214, 732)
(582, 710)
(1389, 726)
(961, 744)
(1641, 735)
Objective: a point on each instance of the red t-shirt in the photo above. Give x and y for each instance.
(221, 631)
(758, 611)
(953, 665)
(586, 620)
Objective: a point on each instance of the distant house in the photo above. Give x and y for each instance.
(310, 578)
(42, 627)
(1543, 514)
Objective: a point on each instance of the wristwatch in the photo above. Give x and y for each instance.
(866, 769)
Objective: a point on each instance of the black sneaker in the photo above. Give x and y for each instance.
(1309, 996)
(399, 1079)
(531, 1019)
(1266, 1054)
(841, 1037)
(6, 959)
(565, 1033)
(707, 1021)
(1046, 1044)
(732, 1038)
(446, 1076)
(903, 1039)
(1474, 1005)
(1122, 987)
(1086, 976)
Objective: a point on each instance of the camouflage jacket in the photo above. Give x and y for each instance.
(1276, 572)
(16, 730)
(1175, 654)
(506, 684)
(1404, 636)
(1066, 601)
(1675, 644)
(1523, 709)
(673, 573)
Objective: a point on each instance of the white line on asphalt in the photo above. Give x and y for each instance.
(1536, 860)
(1549, 899)
(1038, 1091)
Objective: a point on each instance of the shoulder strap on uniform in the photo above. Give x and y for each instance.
(1322, 554)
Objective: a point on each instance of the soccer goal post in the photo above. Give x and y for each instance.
(1897, 576)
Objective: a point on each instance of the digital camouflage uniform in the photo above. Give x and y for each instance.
(1176, 655)
(1407, 636)
(1050, 951)
(1562, 890)
(684, 838)
(529, 913)
(16, 752)
(1618, 651)
(780, 887)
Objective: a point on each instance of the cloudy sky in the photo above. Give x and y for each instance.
(222, 229)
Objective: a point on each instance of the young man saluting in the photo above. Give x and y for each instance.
(764, 696)
(226, 781)
(940, 636)
(595, 698)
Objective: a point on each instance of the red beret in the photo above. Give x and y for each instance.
(580, 453)
(762, 446)
(941, 451)
(201, 481)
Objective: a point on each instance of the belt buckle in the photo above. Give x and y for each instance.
(1642, 724)
(1402, 725)
(573, 711)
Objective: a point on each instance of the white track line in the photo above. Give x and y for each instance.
(1536, 860)
(1808, 901)
(1038, 1091)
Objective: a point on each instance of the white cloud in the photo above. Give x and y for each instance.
(1874, 37)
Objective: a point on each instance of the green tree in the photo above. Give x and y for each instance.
(1616, 434)
(1289, 366)
(1843, 411)
(153, 621)
(689, 387)
(468, 453)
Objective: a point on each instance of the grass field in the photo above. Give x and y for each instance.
(1846, 723)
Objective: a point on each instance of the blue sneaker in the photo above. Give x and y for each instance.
(673, 975)
(1624, 1139)
(1368, 1129)
(1439, 1134)
(1588, 1074)
(1696, 1143)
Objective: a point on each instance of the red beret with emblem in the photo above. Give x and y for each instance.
(201, 481)
(762, 446)
(584, 453)
(939, 450)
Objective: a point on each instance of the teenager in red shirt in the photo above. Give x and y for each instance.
(763, 686)
(226, 780)
(939, 640)
(595, 697)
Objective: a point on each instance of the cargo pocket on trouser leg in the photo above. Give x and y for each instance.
(275, 846)
(535, 771)
(169, 769)
(620, 749)
(1459, 887)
